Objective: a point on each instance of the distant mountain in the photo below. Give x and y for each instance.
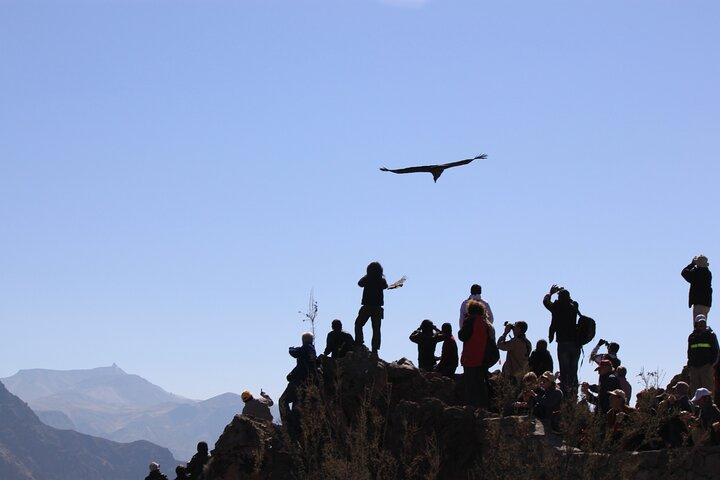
(109, 403)
(31, 450)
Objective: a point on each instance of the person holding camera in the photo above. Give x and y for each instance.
(427, 336)
(698, 275)
(563, 325)
(612, 349)
(518, 351)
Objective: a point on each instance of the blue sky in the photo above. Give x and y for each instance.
(175, 177)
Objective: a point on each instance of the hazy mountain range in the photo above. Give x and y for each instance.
(109, 403)
(31, 450)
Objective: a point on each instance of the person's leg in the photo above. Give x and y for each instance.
(700, 310)
(376, 317)
(563, 365)
(472, 393)
(574, 359)
(693, 380)
(483, 400)
(707, 378)
(287, 397)
(360, 321)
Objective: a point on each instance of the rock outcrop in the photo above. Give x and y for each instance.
(372, 419)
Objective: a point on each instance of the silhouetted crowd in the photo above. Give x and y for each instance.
(527, 383)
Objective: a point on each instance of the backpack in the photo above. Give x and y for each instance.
(492, 354)
(585, 330)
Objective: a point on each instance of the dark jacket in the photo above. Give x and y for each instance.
(548, 403)
(475, 333)
(448, 357)
(373, 291)
(426, 342)
(606, 384)
(306, 363)
(702, 348)
(259, 408)
(338, 343)
(156, 475)
(564, 319)
(700, 280)
(540, 362)
(196, 464)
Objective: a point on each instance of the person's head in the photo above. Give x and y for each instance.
(702, 397)
(154, 466)
(476, 309)
(681, 389)
(564, 296)
(700, 322)
(547, 380)
(613, 348)
(375, 270)
(180, 471)
(336, 325)
(307, 338)
(617, 399)
(702, 261)
(246, 396)
(426, 326)
(475, 289)
(604, 367)
(621, 371)
(202, 447)
(520, 328)
(446, 329)
(541, 345)
(530, 380)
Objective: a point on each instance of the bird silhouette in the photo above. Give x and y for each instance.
(435, 170)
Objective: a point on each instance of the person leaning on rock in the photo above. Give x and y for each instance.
(698, 275)
(257, 407)
(305, 371)
(155, 473)
(427, 336)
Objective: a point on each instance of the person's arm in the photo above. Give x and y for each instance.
(466, 331)
(502, 342)
(329, 344)
(415, 336)
(688, 273)
(594, 353)
(294, 351)
(546, 301)
(268, 401)
(362, 281)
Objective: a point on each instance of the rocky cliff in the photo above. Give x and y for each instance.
(372, 419)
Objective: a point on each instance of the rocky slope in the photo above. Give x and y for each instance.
(31, 450)
(372, 419)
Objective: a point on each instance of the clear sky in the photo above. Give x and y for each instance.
(176, 176)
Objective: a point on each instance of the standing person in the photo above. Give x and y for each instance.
(702, 353)
(426, 338)
(197, 463)
(475, 295)
(563, 324)
(621, 374)
(373, 285)
(338, 342)
(612, 349)
(257, 407)
(305, 371)
(155, 473)
(449, 354)
(476, 334)
(540, 360)
(599, 394)
(699, 277)
(518, 351)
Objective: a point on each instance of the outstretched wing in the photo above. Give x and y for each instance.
(434, 168)
(461, 162)
(408, 169)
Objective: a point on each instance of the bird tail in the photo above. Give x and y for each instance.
(383, 169)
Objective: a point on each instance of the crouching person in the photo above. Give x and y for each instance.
(547, 406)
(257, 407)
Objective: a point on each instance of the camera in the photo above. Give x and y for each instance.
(509, 324)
